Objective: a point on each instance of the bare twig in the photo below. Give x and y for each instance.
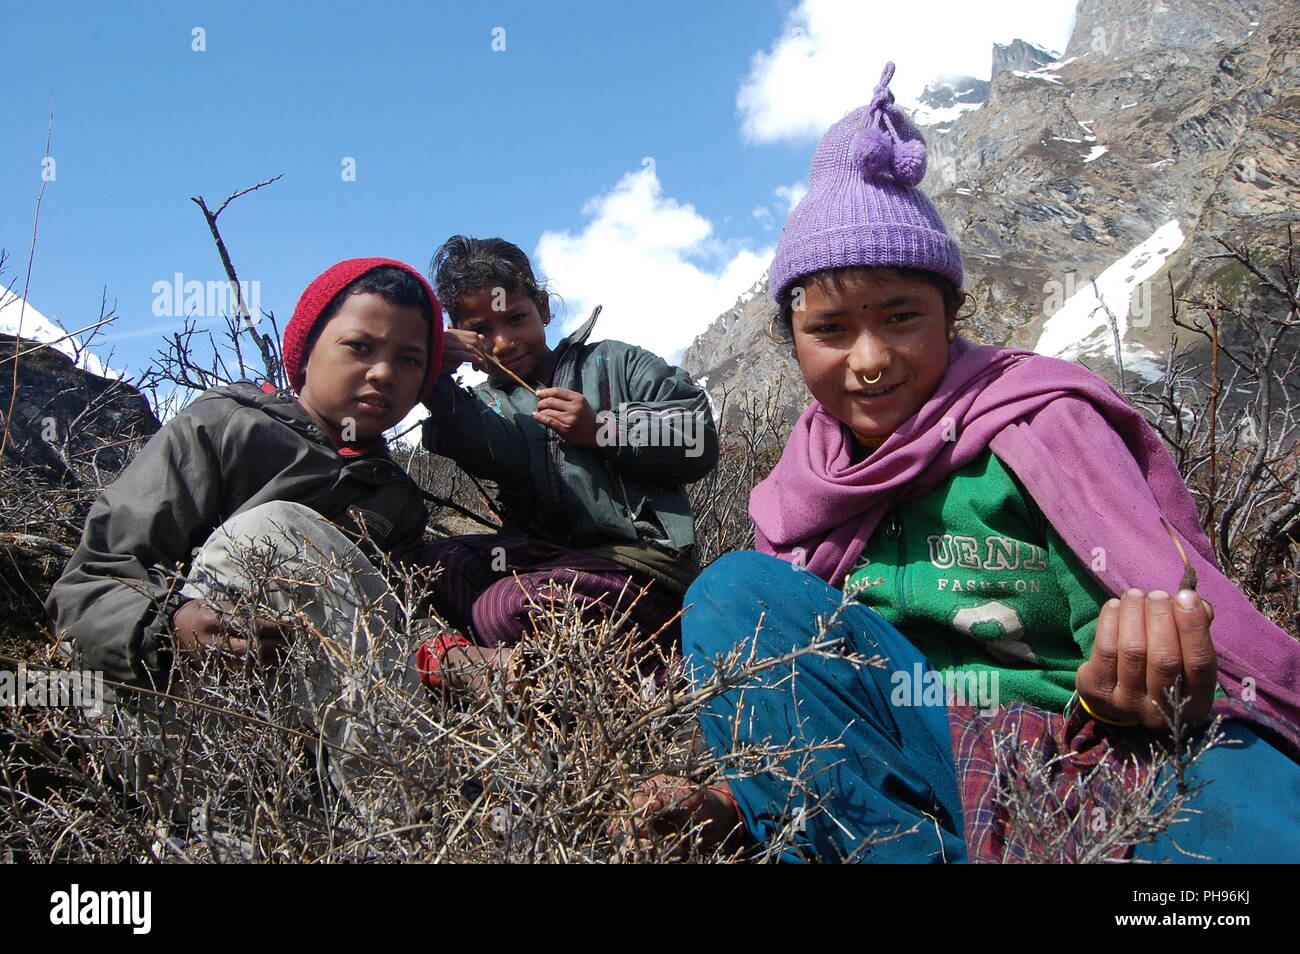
(27, 282)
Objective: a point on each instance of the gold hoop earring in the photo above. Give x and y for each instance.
(952, 334)
(870, 381)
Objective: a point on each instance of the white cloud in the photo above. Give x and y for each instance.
(651, 261)
(792, 194)
(829, 58)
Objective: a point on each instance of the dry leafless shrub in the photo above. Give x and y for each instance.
(236, 762)
(1233, 432)
(755, 426)
(1048, 825)
(65, 444)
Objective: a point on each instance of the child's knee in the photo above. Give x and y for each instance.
(726, 601)
(501, 612)
(280, 519)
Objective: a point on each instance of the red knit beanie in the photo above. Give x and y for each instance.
(322, 291)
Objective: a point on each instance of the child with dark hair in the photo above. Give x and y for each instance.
(998, 519)
(589, 445)
(249, 467)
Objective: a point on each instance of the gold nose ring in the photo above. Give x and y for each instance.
(869, 381)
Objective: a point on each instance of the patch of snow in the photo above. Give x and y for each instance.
(1054, 66)
(1037, 74)
(1128, 105)
(933, 117)
(1158, 163)
(1080, 326)
(1143, 362)
(1065, 139)
(1138, 359)
(37, 327)
(1096, 153)
(962, 191)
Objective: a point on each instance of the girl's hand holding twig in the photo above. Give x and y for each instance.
(460, 347)
(568, 414)
(1145, 643)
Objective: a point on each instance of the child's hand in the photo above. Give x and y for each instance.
(474, 669)
(200, 626)
(666, 807)
(459, 347)
(568, 414)
(1144, 643)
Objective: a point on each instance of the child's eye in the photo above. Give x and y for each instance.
(360, 347)
(826, 328)
(411, 361)
(904, 316)
(518, 318)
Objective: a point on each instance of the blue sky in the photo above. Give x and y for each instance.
(645, 154)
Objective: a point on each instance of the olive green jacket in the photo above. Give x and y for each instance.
(231, 449)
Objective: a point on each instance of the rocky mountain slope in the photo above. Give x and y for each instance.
(1163, 127)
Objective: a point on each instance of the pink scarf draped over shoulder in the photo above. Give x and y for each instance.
(1099, 472)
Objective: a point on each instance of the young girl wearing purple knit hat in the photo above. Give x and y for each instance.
(1000, 518)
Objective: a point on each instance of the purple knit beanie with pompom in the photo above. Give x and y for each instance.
(862, 206)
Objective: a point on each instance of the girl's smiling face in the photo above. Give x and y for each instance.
(873, 346)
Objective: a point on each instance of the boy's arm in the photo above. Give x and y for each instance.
(666, 434)
(115, 599)
(462, 427)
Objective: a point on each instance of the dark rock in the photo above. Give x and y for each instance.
(66, 419)
(1019, 55)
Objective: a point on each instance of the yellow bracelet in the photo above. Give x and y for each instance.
(1123, 725)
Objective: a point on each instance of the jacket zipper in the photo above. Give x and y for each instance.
(556, 484)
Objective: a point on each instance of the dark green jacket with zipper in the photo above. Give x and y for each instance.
(657, 433)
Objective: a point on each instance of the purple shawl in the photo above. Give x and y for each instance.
(1098, 471)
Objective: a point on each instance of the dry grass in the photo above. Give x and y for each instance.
(230, 766)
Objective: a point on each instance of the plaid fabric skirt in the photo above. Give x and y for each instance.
(1040, 786)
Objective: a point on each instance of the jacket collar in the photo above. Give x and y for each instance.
(582, 334)
(579, 337)
(283, 406)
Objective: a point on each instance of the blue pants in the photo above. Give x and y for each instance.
(891, 768)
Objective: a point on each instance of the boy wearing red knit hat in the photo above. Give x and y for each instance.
(308, 477)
